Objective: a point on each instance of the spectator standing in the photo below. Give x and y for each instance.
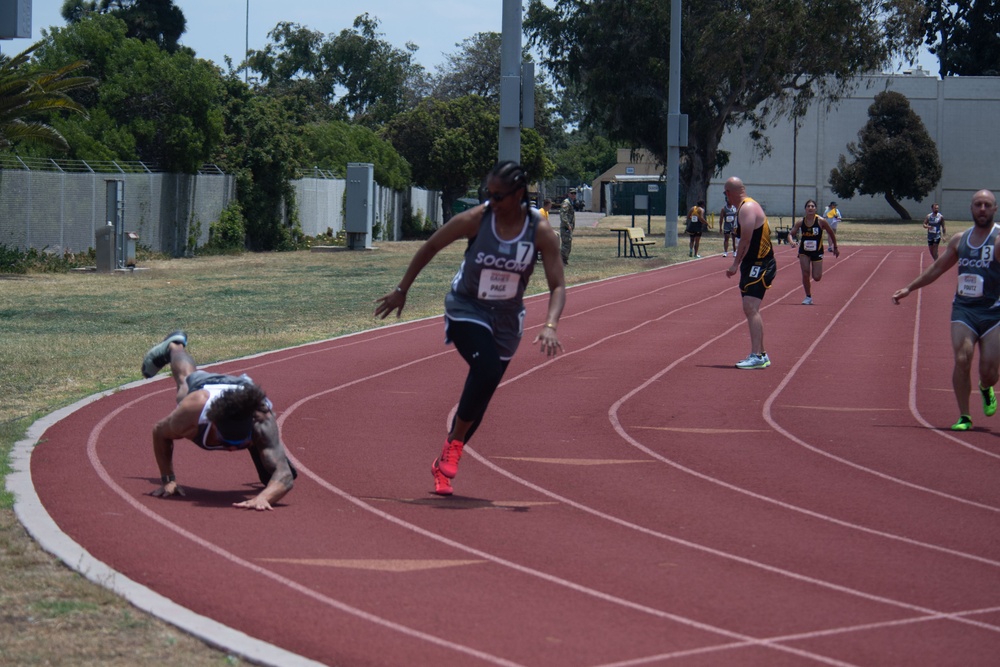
(833, 217)
(567, 223)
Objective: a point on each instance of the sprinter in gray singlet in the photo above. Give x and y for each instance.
(975, 310)
(484, 311)
(217, 412)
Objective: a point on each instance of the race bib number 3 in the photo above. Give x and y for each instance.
(970, 285)
(497, 285)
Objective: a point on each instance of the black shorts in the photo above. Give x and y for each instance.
(933, 239)
(814, 256)
(756, 277)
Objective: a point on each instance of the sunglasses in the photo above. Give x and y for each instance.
(500, 197)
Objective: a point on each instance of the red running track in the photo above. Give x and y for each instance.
(635, 501)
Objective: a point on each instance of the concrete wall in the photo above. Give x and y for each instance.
(958, 112)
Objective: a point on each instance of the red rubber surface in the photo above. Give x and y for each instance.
(636, 501)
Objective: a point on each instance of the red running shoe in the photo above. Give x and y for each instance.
(448, 462)
(442, 485)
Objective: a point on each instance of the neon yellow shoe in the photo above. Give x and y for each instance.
(964, 423)
(989, 400)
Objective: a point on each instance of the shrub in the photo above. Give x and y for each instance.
(228, 234)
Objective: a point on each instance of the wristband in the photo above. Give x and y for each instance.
(400, 289)
(166, 479)
(550, 325)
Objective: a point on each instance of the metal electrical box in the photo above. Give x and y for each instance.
(131, 238)
(360, 210)
(104, 248)
(115, 216)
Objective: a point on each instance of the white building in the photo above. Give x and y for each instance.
(960, 114)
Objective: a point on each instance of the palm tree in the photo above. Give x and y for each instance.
(25, 95)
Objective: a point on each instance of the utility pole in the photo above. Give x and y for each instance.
(509, 145)
(677, 125)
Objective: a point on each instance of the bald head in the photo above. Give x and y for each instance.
(987, 195)
(735, 191)
(984, 207)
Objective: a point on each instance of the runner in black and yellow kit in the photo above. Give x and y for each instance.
(755, 262)
(812, 227)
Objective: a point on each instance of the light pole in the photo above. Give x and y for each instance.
(509, 144)
(677, 125)
(246, 50)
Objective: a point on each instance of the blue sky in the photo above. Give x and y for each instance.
(217, 28)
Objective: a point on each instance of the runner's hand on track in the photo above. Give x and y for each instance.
(169, 489)
(257, 503)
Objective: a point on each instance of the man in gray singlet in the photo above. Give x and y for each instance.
(217, 413)
(975, 311)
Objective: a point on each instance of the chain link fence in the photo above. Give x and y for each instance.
(58, 206)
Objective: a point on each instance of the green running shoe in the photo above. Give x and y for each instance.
(989, 401)
(964, 423)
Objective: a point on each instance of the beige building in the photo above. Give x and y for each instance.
(639, 162)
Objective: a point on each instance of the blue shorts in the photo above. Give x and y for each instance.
(980, 319)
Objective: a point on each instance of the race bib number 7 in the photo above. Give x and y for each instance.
(970, 285)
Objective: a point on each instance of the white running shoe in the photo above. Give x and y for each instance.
(725, 254)
(754, 361)
(808, 301)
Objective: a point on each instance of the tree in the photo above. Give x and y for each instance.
(895, 156)
(965, 36)
(262, 148)
(585, 157)
(355, 74)
(472, 70)
(159, 21)
(452, 144)
(29, 96)
(334, 144)
(743, 62)
(475, 70)
(151, 105)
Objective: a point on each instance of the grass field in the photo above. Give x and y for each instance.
(66, 336)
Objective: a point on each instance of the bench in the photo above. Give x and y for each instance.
(637, 240)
